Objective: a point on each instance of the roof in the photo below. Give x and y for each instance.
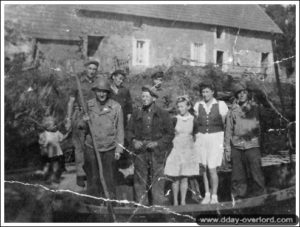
(62, 21)
(46, 21)
(249, 17)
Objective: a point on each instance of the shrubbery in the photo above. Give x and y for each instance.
(31, 94)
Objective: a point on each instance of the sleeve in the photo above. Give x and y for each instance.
(60, 136)
(73, 90)
(42, 139)
(129, 103)
(119, 131)
(168, 132)
(130, 128)
(223, 109)
(228, 131)
(174, 121)
(196, 108)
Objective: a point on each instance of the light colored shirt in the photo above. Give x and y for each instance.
(223, 109)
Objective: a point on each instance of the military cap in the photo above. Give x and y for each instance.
(236, 88)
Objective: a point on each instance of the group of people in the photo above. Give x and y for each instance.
(162, 147)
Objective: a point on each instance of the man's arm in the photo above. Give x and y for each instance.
(128, 106)
(69, 112)
(168, 132)
(228, 132)
(119, 131)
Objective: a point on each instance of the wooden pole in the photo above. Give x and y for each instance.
(277, 77)
(104, 186)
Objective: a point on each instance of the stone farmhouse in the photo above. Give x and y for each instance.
(236, 38)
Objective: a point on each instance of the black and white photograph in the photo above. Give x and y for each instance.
(153, 112)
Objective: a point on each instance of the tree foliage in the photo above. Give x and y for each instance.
(285, 44)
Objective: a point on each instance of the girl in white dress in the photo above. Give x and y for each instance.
(182, 162)
(49, 141)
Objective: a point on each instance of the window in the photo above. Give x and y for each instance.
(264, 62)
(219, 58)
(198, 54)
(140, 52)
(219, 33)
(93, 45)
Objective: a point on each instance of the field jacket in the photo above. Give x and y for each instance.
(243, 126)
(107, 125)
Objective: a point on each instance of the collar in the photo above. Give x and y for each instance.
(214, 101)
(95, 104)
(108, 103)
(84, 78)
(114, 88)
(184, 118)
(154, 110)
(249, 104)
(208, 108)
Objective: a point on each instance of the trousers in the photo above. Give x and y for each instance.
(78, 139)
(246, 166)
(91, 167)
(148, 179)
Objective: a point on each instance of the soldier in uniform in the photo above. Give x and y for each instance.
(74, 119)
(242, 144)
(122, 95)
(164, 96)
(150, 131)
(106, 117)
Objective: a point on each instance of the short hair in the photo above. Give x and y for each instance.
(119, 71)
(210, 85)
(90, 62)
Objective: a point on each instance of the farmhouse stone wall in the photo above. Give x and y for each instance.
(169, 40)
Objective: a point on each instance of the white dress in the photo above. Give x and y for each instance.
(50, 141)
(182, 159)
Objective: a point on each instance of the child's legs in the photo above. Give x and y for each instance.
(175, 188)
(183, 189)
(55, 169)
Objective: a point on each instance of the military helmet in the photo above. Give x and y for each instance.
(101, 84)
(240, 86)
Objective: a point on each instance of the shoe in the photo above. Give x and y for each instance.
(214, 199)
(80, 181)
(197, 198)
(206, 199)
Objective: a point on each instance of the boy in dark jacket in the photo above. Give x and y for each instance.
(150, 131)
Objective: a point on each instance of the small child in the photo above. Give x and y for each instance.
(182, 163)
(51, 151)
